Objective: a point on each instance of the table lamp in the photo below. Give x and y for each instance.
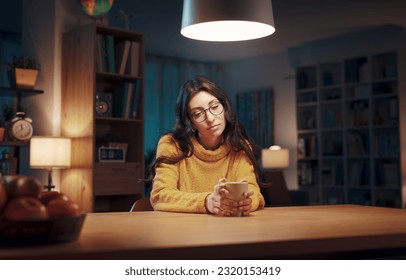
(274, 160)
(50, 153)
(275, 157)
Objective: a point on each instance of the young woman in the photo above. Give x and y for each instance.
(207, 147)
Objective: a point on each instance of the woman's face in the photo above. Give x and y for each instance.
(207, 114)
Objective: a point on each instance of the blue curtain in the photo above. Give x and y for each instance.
(164, 77)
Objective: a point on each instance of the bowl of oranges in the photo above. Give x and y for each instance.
(31, 216)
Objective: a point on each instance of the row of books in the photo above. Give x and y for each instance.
(387, 144)
(386, 112)
(121, 57)
(358, 173)
(307, 147)
(358, 144)
(307, 119)
(307, 173)
(126, 99)
(332, 174)
(387, 174)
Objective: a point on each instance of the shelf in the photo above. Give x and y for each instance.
(113, 119)
(114, 60)
(14, 143)
(105, 76)
(348, 130)
(22, 90)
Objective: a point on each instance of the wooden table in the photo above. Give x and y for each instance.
(341, 231)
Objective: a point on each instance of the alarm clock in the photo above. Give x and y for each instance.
(111, 154)
(20, 127)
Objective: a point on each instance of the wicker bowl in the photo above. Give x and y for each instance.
(22, 233)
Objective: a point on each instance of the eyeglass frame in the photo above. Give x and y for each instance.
(208, 109)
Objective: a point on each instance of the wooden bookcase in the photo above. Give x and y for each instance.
(349, 133)
(102, 186)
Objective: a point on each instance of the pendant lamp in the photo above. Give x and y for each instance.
(227, 20)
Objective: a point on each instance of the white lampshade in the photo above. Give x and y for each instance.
(275, 157)
(227, 20)
(50, 152)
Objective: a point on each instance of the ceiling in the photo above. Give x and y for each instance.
(296, 22)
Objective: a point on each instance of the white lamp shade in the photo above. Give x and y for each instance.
(50, 152)
(275, 157)
(227, 20)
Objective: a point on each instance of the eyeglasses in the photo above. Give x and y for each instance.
(201, 115)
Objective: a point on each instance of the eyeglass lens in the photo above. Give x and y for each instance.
(215, 109)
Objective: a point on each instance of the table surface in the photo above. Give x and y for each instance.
(278, 232)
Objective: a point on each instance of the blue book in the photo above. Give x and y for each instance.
(111, 61)
(119, 100)
(102, 53)
(136, 100)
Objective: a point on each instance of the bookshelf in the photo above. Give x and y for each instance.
(349, 133)
(102, 106)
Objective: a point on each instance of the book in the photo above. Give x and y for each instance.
(102, 53)
(393, 110)
(111, 63)
(128, 102)
(122, 50)
(119, 100)
(135, 100)
(133, 60)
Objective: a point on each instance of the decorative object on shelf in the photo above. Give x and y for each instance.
(96, 8)
(111, 154)
(227, 20)
(23, 72)
(2, 132)
(20, 128)
(50, 153)
(103, 104)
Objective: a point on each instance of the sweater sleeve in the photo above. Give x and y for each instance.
(165, 194)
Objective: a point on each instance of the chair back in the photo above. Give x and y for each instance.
(142, 204)
(277, 193)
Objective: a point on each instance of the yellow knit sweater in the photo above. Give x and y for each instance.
(183, 187)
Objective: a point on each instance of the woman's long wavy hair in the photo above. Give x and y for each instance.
(234, 134)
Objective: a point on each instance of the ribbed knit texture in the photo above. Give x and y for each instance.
(183, 187)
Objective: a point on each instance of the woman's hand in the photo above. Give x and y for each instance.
(217, 203)
(244, 205)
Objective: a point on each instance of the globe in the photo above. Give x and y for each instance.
(96, 8)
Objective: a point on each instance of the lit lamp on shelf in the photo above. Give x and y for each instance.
(274, 160)
(50, 153)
